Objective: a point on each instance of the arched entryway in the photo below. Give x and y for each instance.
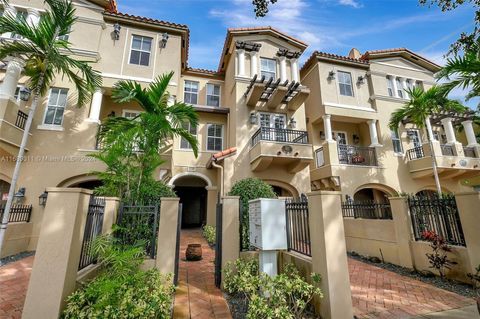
(282, 189)
(191, 190)
(81, 181)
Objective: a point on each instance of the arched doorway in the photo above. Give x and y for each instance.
(88, 184)
(193, 197)
(370, 194)
(4, 188)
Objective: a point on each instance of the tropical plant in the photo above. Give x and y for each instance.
(209, 233)
(418, 109)
(131, 147)
(46, 54)
(438, 259)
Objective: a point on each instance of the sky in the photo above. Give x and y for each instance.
(333, 26)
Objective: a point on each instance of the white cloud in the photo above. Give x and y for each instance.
(352, 3)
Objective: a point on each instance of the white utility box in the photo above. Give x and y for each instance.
(268, 231)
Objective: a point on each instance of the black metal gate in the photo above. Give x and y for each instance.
(177, 248)
(218, 245)
(298, 226)
(93, 228)
(139, 225)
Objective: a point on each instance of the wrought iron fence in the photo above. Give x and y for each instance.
(99, 143)
(298, 227)
(438, 214)
(469, 151)
(447, 150)
(279, 135)
(139, 226)
(93, 228)
(416, 153)
(21, 120)
(18, 213)
(319, 157)
(368, 209)
(357, 155)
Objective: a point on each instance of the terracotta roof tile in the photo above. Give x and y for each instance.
(366, 55)
(267, 28)
(147, 20)
(199, 70)
(224, 153)
(316, 54)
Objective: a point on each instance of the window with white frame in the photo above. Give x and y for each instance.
(213, 94)
(214, 137)
(140, 51)
(21, 15)
(129, 114)
(191, 92)
(268, 68)
(57, 102)
(192, 129)
(16, 96)
(390, 87)
(399, 88)
(396, 141)
(65, 37)
(345, 83)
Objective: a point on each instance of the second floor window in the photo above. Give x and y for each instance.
(21, 15)
(214, 137)
(130, 114)
(268, 68)
(396, 141)
(399, 88)
(192, 130)
(345, 83)
(141, 48)
(191, 92)
(213, 95)
(390, 87)
(57, 101)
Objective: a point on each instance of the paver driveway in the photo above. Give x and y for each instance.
(13, 287)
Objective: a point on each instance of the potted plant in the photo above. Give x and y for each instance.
(358, 159)
(475, 278)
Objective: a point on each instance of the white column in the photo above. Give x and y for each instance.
(372, 127)
(33, 17)
(96, 106)
(327, 126)
(429, 128)
(8, 9)
(448, 128)
(294, 66)
(253, 63)
(12, 75)
(395, 88)
(241, 62)
(283, 68)
(470, 133)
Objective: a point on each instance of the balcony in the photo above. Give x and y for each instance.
(273, 94)
(274, 146)
(452, 160)
(12, 123)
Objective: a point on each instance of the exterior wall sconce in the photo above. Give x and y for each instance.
(361, 79)
(24, 94)
(356, 139)
(164, 40)
(116, 31)
(253, 118)
(292, 123)
(20, 195)
(331, 75)
(322, 135)
(42, 199)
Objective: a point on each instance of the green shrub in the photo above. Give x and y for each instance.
(286, 295)
(122, 290)
(209, 232)
(248, 189)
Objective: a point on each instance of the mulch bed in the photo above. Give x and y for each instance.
(13, 258)
(457, 287)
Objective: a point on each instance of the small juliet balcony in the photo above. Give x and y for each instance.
(452, 160)
(12, 123)
(274, 94)
(285, 147)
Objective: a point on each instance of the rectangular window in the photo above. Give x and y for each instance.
(57, 102)
(214, 137)
(391, 90)
(268, 68)
(128, 114)
(140, 53)
(399, 88)
(213, 95)
(65, 36)
(397, 142)
(345, 83)
(184, 144)
(21, 15)
(191, 92)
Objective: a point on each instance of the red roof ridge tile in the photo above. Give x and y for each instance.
(146, 19)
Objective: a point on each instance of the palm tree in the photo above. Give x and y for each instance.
(141, 139)
(46, 54)
(419, 108)
(463, 72)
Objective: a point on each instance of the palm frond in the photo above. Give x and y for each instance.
(130, 91)
(158, 89)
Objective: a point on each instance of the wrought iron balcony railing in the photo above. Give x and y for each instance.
(21, 120)
(279, 135)
(469, 151)
(416, 153)
(357, 155)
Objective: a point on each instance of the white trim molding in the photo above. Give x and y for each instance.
(351, 107)
(195, 174)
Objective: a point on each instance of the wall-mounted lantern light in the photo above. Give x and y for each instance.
(292, 123)
(24, 94)
(331, 75)
(322, 135)
(253, 118)
(356, 139)
(361, 79)
(116, 31)
(164, 40)
(20, 195)
(42, 199)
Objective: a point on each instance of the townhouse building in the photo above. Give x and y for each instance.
(323, 126)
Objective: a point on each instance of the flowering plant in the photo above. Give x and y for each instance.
(438, 259)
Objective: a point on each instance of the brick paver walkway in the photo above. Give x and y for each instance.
(196, 296)
(379, 293)
(14, 279)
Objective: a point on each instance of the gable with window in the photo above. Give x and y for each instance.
(345, 83)
(213, 95)
(140, 51)
(214, 137)
(57, 102)
(192, 129)
(397, 142)
(268, 68)
(191, 92)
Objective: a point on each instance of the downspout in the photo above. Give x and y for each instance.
(221, 177)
